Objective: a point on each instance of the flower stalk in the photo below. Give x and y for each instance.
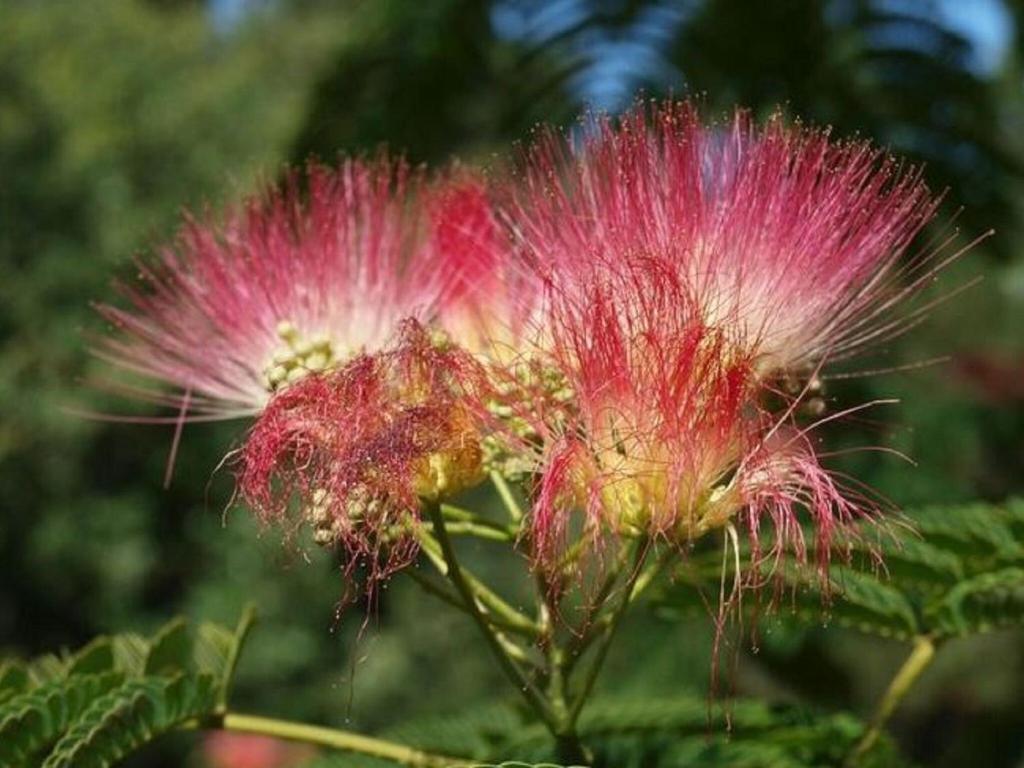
(533, 697)
(498, 611)
(642, 549)
(508, 498)
(919, 659)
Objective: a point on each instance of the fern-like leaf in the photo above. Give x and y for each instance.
(986, 602)
(643, 732)
(13, 680)
(94, 658)
(97, 705)
(170, 649)
(947, 572)
(33, 720)
(130, 716)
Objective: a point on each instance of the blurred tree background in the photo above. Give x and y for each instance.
(116, 114)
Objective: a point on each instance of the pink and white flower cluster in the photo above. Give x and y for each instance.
(624, 318)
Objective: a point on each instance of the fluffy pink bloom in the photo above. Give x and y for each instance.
(297, 280)
(693, 270)
(669, 435)
(793, 245)
(491, 300)
(351, 452)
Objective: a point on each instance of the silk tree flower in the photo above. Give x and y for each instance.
(492, 305)
(793, 245)
(491, 300)
(669, 436)
(352, 451)
(297, 280)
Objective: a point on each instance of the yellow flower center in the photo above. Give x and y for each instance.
(300, 355)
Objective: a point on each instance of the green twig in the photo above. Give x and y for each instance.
(918, 660)
(593, 628)
(455, 574)
(453, 600)
(452, 512)
(437, 590)
(515, 512)
(498, 611)
(332, 739)
(569, 748)
(632, 579)
(481, 530)
(461, 521)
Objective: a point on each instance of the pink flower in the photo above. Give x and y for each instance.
(669, 435)
(297, 280)
(694, 271)
(793, 245)
(359, 446)
(491, 301)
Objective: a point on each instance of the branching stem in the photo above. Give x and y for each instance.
(632, 579)
(595, 627)
(499, 612)
(515, 512)
(463, 522)
(534, 698)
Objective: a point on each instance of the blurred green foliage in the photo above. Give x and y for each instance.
(116, 114)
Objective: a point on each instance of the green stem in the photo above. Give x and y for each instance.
(591, 625)
(918, 660)
(568, 746)
(453, 600)
(515, 512)
(488, 531)
(462, 521)
(499, 612)
(332, 739)
(595, 627)
(452, 512)
(632, 579)
(455, 574)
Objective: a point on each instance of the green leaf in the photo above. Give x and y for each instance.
(480, 733)
(850, 598)
(130, 652)
(897, 581)
(696, 754)
(96, 657)
(233, 651)
(170, 649)
(980, 534)
(130, 716)
(908, 561)
(986, 602)
(687, 730)
(213, 647)
(13, 679)
(644, 732)
(43, 669)
(32, 720)
(1013, 515)
(864, 602)
(115, 694)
